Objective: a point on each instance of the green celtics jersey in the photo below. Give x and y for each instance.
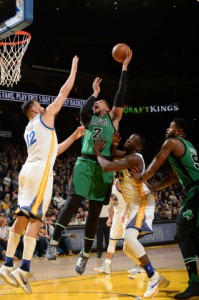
(186, 166)
(99, 127)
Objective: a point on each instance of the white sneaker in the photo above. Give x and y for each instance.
(155, 282)
(22, 280)
(5, 274)
(105, 268)
(136, 270)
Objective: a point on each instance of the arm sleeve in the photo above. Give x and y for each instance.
(85, 116)
(122, 90)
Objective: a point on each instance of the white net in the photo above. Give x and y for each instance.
(12, 49)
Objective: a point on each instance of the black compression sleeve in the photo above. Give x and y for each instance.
(122, 90)
(85, 115)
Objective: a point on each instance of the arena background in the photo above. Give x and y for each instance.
(163, 72)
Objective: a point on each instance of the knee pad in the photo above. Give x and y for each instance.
(130, 253)
(111, 246)
(131, 239)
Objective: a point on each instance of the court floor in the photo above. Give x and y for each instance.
(58, 280)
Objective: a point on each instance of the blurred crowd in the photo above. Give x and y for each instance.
(12, 157)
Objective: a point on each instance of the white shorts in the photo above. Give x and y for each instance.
(119, 206)
(35, 188)
(141, 214)
(118, 227)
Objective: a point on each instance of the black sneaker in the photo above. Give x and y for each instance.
(191, 291)
(81, 263)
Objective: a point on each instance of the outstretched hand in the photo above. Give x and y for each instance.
(79, 132)
(96, 85)
(129, 54)
(116, 138)
(75, 63)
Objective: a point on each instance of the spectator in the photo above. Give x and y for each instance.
(7, 179)
(4, 231)
(65, 243)
(58, 201)
(6, 202)
(42, 241)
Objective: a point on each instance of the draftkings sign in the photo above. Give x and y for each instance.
(152, 108)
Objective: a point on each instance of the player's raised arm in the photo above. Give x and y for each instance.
(55, 107)
(118, 105)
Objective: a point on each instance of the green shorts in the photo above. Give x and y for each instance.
(189, 210)
(89, 180)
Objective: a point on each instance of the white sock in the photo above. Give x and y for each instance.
(107, 261)
(13, 242)
(86, 254)
(53, 242)
(29, 247)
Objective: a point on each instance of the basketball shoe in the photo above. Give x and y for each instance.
(155, 283)
(105, 268)
(81, 263)
(191, 291)
(5, 274)
(22, 278)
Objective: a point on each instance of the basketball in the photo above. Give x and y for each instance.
(119, 52)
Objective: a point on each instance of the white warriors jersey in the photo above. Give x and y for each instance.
(36, 175)
(41, 142)
(131, 190)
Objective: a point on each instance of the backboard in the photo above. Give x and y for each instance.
(23, 16)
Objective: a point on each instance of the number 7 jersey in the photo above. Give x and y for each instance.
(99, 127)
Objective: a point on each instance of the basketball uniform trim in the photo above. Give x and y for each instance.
(51, 128)
(44, 180)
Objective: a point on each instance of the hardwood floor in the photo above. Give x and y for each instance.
(58, 280)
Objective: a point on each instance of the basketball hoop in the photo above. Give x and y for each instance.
(12, 50)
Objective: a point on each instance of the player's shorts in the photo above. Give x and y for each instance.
(189, 211)
(141, 214)
(119, 208)
(118, 227)
(35, 188)
(89, 180)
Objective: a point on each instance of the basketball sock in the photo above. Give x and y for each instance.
(13, 242)
(25, 265)
(9, 262)
(29, 247)
(191, 266)
(88, 243)
(57, 232)
(107, 261)
(149, 270)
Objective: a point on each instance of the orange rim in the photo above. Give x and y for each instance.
(17, 42)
